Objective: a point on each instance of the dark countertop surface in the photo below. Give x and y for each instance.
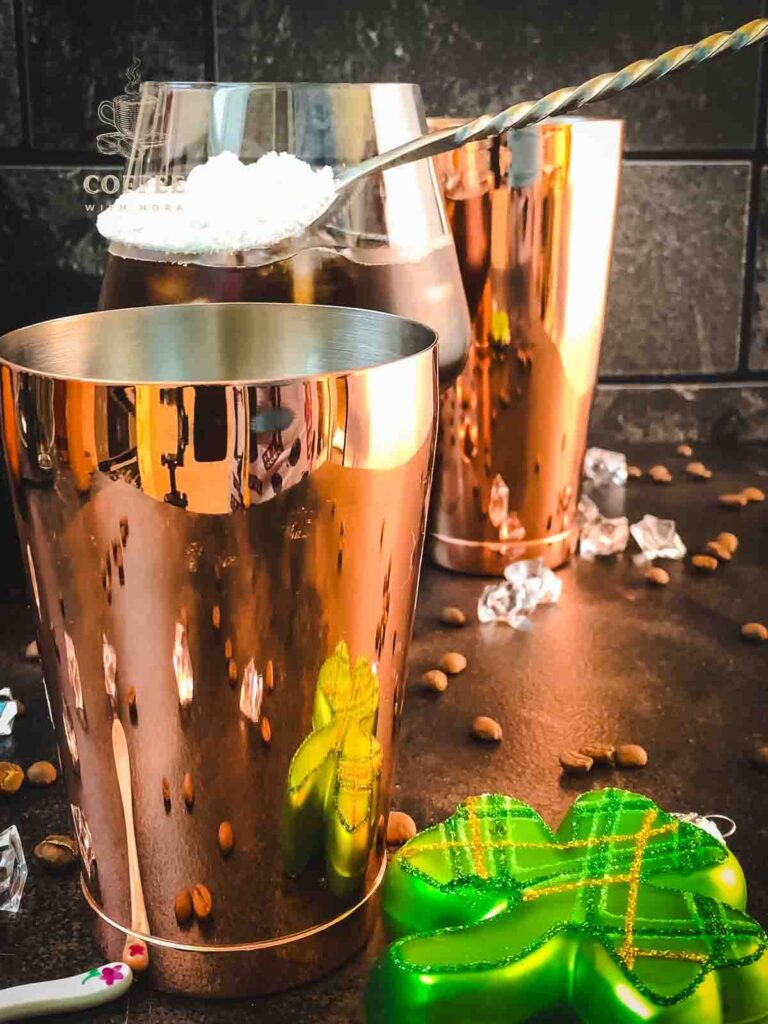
(614, 661)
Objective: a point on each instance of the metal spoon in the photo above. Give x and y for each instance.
(520, 115)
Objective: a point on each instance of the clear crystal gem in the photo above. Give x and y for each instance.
(526, 585)
(8, 711)
(602, 466)
(658, 538)
(603, 536)
(13, 870)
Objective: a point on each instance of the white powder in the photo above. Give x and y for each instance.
(223, 206)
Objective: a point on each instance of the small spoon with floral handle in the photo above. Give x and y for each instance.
(65, 995)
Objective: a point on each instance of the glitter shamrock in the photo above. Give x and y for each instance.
(332, 789)
(624, 915)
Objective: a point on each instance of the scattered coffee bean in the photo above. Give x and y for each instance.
(453, 617)
(487, 729)
(132, 710)
(228, 648)
(685, 450)
(400, 828)
(657, 576)
(57, 852)
(754, 631)
(634, 472)
(41, 773)
(452, 663)
(729, 541)
(11, 777)
(435, 680)
(232, 671)
(188, 790)
(631, 755)
(698, 471)
(31, 653)
(704, 563)
(269, 676)
(732, 500)
(216, 617)
(182, 906)
(202, 902)
(226, 838)
(753, 494)
(266, 731)
(660, 475)
(759, 757)
(166, 794)
(721, 553)
(573, 762)
(601, 753)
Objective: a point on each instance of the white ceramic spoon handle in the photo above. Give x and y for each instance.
(100, 985)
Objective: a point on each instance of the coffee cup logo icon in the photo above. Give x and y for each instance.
(130, 117)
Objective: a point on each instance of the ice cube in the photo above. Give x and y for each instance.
(526, 585)
(602, 466)
(8, 711)
(603, 536)
(13, 870)
(251, 692)
(658, 538)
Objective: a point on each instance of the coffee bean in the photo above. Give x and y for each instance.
(11, 777)
(732, 500)
(753, 494)
(266, 731)
(631, 755)
(57, 852)
(698, 471)
(704, 563)
(182, 906)
(188, 790)
(754, 631)
(721, 553)
(166, 786)
(486, 729)
(232, 671)
(601, 753)
(41, 773)
(400, 828)
(435, 680)
(660, 475)
(634, 472)
(228, 648)
(574, 762)
(453, 617)
(452, 663)
(202, 902)
(729, 541)
(657, 576)
(226, 838)
(685, 450)
(759, 757)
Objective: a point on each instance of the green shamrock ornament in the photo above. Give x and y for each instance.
(332, 790)
(624, 915)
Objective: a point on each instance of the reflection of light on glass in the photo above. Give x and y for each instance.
(69, 735)
(634, 1001)
(109, 657)
(182, 666)
(593, 177)
(84, 838)
(251, 692)
(73, 670)
(33, 578)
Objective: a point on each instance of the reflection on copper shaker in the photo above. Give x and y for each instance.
(532, 216)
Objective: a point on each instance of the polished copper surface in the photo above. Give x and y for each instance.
(532, 216)
(223, 509)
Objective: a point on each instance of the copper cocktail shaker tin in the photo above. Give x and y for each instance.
(223, 509)
(532, 215)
